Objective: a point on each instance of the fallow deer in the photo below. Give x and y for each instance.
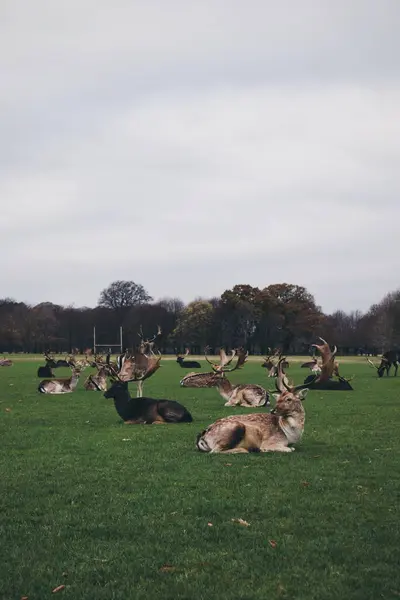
(134, 411)
(271, 362)
(6, 362)
(388, 359)
(138, 366)
(63, 385)
(248, 394)
(329, 368)
(210, 379)
(187, 364)
(98, 382)
(276, 431)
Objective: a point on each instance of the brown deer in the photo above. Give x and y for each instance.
(6, 362)
(98, 382)
(260, 432)
(63, 385)
(248, 394)
(271, 362)
(138, 366)
(187, 364)
(388, 359)
(209, 379)
(328, 369)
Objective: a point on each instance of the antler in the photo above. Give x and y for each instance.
(148, 343)
(372, 364)
(226, 360)
(328, 357)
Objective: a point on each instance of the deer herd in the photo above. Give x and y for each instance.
(275, 431)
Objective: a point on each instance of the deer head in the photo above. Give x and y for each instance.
(287, 394)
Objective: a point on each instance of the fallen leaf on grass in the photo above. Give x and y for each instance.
(24, 598)
(8, 409)
(228, 464)
(272, 543)
(241, 522)
(305, 483)
(167, 569)
(58, 588)
(210, 524)
(316, 456)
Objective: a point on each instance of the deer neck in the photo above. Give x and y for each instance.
(74, 380)
(293, 425)
(225, 388)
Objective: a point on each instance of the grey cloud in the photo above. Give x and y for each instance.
(193, 146)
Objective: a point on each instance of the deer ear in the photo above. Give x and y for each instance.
(276, 396)
(303, 393)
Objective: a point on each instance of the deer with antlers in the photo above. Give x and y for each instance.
(209, 379)
(276, 431)
(64, 385)
(271, 362)
(140, 365)
(98, 382)
(187, 364)
(389, 359)
(247, 394)
(329, 368)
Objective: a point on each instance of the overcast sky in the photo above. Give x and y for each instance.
(191, 146)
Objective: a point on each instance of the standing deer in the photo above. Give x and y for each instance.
(260, 432)
(187, 364)
(388, 359)
(140, 365)
(64, 385)
(248, 394)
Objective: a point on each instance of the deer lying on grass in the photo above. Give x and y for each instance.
(98, 382)
(246, 394)
(271, 362)
(6, 362)
(388, 359)
(329, 368)
(64, 385)
(187, 364)
(134, 411)
(260, 432)
(209, 379)
(52, 363)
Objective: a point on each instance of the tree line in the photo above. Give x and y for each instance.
(281, 315)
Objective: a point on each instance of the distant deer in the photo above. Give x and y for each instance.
(206, 380)
(98, 382)
(260, 432)
(389, 359)
(187, 364)
(271, 362)
(63, 385)
(134, 411)
(6, 362)
(248, 394)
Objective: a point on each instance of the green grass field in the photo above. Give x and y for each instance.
(112, 511)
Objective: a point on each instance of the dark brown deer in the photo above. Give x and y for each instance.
(145, 411)
(389, 359)
(187, 364)
(260, 432)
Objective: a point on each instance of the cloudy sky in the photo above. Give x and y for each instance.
(191, 146)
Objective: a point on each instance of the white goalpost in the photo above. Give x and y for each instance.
(107, 347)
